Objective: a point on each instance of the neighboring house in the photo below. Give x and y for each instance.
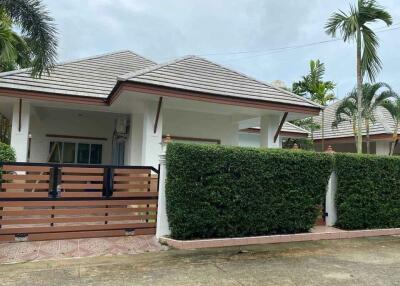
(116, 108)
(342, 138)
(251, 136)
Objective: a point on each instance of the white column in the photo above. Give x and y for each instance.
(269, 125)
(330, 204)
(135, 140)
(151, 143)
(162, 218)
(231, 137)
(20, 130)
(382, 148)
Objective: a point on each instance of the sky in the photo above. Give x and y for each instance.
(245, 35)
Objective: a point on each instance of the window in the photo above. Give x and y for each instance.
(81, 153)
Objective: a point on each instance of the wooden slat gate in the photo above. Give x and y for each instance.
(58, 201)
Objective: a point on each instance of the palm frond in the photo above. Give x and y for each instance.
(38, 28)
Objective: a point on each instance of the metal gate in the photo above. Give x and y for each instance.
(58, 201)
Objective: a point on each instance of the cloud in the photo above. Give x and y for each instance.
(163, 30)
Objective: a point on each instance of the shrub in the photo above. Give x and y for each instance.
(7, 153)
(217, 191)
(368, 193)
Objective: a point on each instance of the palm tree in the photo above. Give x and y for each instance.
(354, 26)
(393, 106)
(347, 112)
(314, 88)
(372, 97)
(37, 44)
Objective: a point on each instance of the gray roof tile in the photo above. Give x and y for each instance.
(384, 124)
(200, 75)
(94, 76)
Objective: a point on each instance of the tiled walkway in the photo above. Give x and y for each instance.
(74, 248)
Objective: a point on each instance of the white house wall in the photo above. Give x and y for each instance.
(67, 122)
(198, 125)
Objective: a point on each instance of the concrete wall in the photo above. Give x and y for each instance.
(249, 140)
(69, 122)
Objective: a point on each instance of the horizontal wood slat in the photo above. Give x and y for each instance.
(25, 186)
(26, 177)
(76, 219)
(21, 195)
(26, 168)
(133, 171)
(79, 203)
(132, 179)
(81, 178)
(76, 211)
(75, 228)
(82, 170)
(131, 186)
(72, 186)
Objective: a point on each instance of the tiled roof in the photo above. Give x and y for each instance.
(200, 75)
(286, 127)
(94, 76)
(384, 124)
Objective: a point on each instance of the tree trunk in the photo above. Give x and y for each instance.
(395, 132)
(359, 93)
(323, 131)
(367, 131)
(355, 133)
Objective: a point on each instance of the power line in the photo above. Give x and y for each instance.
(284, 48)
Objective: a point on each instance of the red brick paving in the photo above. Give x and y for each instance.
(73, 248)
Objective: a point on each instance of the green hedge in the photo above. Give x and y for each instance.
(216, 191)
(368, 193)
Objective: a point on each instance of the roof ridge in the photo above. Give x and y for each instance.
(77, 61)
(260, 81)
(130, 75)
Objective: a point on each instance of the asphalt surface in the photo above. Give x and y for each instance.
(367, 261)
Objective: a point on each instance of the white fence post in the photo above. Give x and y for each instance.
(162, 218)
(330, 204)
(330, 198)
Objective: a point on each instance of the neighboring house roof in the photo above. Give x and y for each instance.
(200, 75)
(384, 124)
(287, 129)
(91, 77)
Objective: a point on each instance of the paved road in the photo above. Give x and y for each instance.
(371, 261)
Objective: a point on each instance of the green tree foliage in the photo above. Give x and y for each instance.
(373, 96)
(393, 106)
(313, 87)
(354, 26)
(36, 45)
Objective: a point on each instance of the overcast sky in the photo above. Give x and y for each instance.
(167, 29)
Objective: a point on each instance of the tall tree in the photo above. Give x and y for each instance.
(354, 26)
(373, 96)
(393, 106)
(313, 87)
(36, 45)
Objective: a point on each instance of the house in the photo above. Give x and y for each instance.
(115, 109)
(342, 138)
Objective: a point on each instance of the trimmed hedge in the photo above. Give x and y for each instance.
(217, 191)
(368, 193)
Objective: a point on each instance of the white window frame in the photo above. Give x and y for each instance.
(76, 150)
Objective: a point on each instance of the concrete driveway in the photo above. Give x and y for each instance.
(367, 261)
